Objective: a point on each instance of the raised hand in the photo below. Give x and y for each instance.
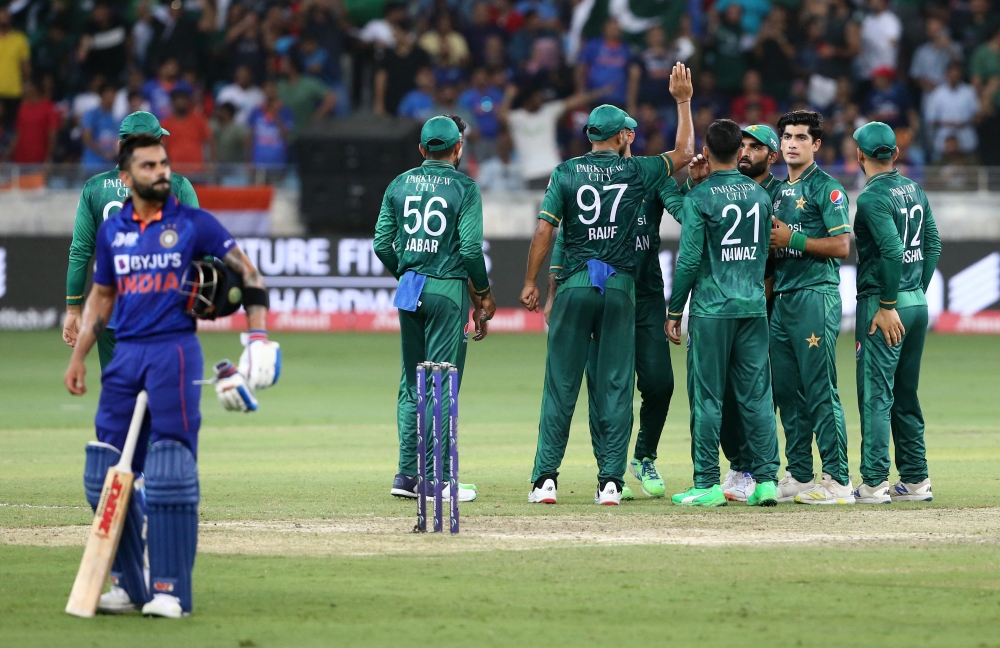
(680, 83)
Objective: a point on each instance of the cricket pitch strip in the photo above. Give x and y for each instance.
(368, 536)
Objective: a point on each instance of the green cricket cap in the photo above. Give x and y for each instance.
(141, 122)
(763, 134)
(876, 140)
(606, 121)
(439, 133)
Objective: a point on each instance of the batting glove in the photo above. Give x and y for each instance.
(232, 390)
(260, 363)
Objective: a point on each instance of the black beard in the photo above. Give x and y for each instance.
(153, 192)
(752, 170)
(458, 161)
(621, 151)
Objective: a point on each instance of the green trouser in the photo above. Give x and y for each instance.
(579, 314)
(887, 395)
(721, 352)
(106, 347)
(654, 376)
(434, 333)
(804, 328)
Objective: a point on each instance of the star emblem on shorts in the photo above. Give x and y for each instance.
(813, 340)
(800, 203)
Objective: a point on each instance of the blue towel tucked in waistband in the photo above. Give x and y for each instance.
(599, 273)
(411, 285)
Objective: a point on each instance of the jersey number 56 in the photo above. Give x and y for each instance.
(425, 218)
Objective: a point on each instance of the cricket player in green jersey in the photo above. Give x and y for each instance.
(654, 372)
(597, 200)
(723, 250)
(758, 152)
(104, 195)
(429, 235)
(898, 250)
(811, 236)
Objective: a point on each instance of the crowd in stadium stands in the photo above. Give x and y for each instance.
(235, 81)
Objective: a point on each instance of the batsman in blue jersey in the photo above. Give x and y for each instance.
(151, 265)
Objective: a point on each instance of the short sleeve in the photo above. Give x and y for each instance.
(211, 237)
(552, 203)
(104, 263)
(834, 207)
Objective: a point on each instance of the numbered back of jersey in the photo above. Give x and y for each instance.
(738, 222)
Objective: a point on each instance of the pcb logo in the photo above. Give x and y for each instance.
(837, 197)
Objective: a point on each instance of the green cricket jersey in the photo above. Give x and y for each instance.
(898, 242)
(724, 243)
(770, 184)
(103, 195)
(649, 276)
(817, 206)
(431, 222)
(601, 193)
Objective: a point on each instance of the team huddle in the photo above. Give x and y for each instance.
(758, 273)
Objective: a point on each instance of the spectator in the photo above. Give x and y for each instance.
(102, 48)
(190, 135)
(752, 13)
(157, 91)
(889, 101)
(382, 32)
(504, 16)
(501, 172)
(951, 111)
(752, 95)
(123, 102)
(142, 34)
(175, 35)
(841, 42)
(649, 136)
(418, 104)
(521, 44)
(397, 70)
(603, 63)
(708, 95)
(35, 128)
(15, 66)
(482, 100)
(7, 139)
(242, 93)
(479, 30)
(649, 73)
(881, 30)
(99, 133)
(86, 101)
(533, 129)
(776, 54)
(546, 10)
(985, 70)
(230, 136)
(808, 56)
(245, 46)
(973, 28)
(446, 103)
(446, 46)
(306, 96)
(726, 49)
(931, 59)
(271, 127)
(54, 54)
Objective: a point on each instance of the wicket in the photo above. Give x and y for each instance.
(437, 431)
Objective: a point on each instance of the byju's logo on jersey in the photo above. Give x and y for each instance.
(122, 265)
(125, 239)
(837, 197)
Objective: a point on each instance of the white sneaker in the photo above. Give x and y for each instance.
(742, 489)
(544, 495)
(464, 494)
(115, 601)
(827, 491)
(164, 605)
(733, 477)
(865, 494)
(921, 492)
(789, 487)
(610, 495)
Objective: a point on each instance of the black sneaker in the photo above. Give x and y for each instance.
(543, 491)
(609, 493)
(404, 486)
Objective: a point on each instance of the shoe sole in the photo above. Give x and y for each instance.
(124, 610)
(629, 498)
(699, 505)
(608, 503)
(399, 492)
(547, 500)
(912, 498)
(861, 501)
(839, 500)
(768, 503)
(787, 500)
(654, 496)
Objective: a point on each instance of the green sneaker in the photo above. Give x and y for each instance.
(471, 487)
(627, 492)
(765, 494)
(701, 497)
(645, 472)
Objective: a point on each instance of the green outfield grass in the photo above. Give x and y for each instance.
(323, 447)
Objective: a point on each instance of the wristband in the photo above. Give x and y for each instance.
(253, 296)
(257, 335)
(798, 241)
(685, 101)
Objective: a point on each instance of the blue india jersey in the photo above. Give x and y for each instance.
(146, 264)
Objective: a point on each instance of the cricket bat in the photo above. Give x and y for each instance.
(108, 522)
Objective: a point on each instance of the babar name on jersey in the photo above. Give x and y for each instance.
(734, 191)
(789, 253)
(421, 245)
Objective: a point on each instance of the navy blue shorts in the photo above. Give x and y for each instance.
(166, 367)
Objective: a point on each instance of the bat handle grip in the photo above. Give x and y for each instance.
(125, 463)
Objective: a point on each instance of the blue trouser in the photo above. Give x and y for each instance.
(167, 367)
